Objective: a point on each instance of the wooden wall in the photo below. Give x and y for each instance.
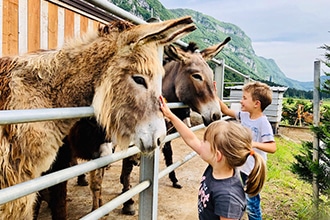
(29, 25)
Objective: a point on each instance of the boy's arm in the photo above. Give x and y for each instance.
(187, 135)
(225, 110)
(269, 147)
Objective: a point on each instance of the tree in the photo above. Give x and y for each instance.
(304, 166)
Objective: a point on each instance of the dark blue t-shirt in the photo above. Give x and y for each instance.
(220, 197)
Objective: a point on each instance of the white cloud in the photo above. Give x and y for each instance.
(296, 62)
(287, 31)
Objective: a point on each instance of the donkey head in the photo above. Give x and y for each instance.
(126, 101)
(191, 79)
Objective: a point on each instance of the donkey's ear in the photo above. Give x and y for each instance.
(212, 51)
(173, 53)
(162, 33)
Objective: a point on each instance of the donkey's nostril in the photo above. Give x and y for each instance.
(158, 141)
(205, 122)
(215, 117)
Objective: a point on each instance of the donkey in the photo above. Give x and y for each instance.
(86, 140)
(115, 70)
(188, 79)
(190, 72)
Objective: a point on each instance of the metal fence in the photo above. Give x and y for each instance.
(147, 207)
(148, 186)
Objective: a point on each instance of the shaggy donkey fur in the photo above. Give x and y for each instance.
(115, 70)
(181, 85)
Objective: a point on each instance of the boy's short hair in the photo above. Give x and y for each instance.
(260, 91)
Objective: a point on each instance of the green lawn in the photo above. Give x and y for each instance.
(284, 196)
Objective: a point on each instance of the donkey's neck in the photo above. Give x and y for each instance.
(169, 80)
(80, 73)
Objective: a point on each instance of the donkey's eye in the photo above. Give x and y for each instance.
(197, 76)
(140, 80)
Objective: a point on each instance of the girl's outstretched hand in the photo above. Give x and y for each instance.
(165, 109)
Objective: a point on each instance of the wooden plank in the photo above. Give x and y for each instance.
(83, 24)
(61, 25)
(1, 24)
(33, 25)
(96, 25)
(10, 27)
(52, 26)
(90, 25)
(22, 26)
(69, 24)
(43, 25)
(76, 25)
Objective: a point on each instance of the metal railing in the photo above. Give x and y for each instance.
(148, 186)
(147, 210)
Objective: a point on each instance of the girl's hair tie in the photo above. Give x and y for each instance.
(251, 152)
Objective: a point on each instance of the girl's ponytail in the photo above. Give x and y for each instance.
(235, 142)
(257, 177)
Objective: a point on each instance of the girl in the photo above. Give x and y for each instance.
(225, 146)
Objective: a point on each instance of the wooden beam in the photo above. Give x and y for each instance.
(10, 27)
(52, 26)
(33, 25)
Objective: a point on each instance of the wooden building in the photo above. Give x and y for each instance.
(29, 25)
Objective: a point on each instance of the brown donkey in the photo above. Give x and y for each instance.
(188, 79)
(116, 70)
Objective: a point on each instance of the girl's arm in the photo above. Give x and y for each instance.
(187, 135)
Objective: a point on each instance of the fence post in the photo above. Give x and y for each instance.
(148, 199)
(316, 122)
(149, 168)
(219, 75)
(247, 79)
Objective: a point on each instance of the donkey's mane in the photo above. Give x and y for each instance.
(50, 60)
(192, 47)
(118, 26)
(6, 65)
(109, 30)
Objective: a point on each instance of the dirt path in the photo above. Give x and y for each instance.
(296, 133)
(172, 203)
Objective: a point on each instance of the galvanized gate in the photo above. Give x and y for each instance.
(29, 25)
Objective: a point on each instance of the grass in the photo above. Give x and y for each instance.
(308, 101)
(284, 195)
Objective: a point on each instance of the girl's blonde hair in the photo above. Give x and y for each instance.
(235, 142)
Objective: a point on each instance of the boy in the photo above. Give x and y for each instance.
(256, 97)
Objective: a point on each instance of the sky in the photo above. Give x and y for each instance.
(288, 31)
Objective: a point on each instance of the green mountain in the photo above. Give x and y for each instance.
(238, 53)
